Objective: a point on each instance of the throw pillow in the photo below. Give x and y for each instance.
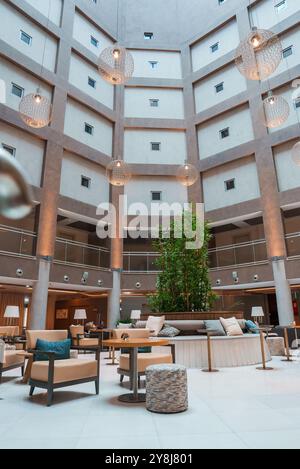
(168, 331)
(252, 327)
(61, 349)
(215, 326)
(231, 326)
(155, 324)
(242, 323)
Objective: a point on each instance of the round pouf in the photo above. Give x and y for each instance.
(166, 389)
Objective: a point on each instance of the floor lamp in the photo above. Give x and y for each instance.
(80, 315)
(257, 314)
(11, 313)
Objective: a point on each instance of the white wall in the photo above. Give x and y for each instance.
(11, 24)
(137, 146)
(137, 103)
(286, 92)
(29, 151)
(292, 38)
(227, 36)
(76, 117)
(288, 173)
(82, 31)
(265, 14)
(139, 190)
(79, 72)
(246, 181)
(241, 131)
(11, 73)
(49, 8)
(205, 91)
(73, 167)
(169, 64)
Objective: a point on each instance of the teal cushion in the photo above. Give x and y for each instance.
(144, 350)
(252, 327)
(61, 349)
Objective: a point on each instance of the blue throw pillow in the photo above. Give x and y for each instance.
(61, 349)
(252, 327)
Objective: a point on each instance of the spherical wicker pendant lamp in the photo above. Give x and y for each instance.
(35, 110)
(187, 175)
(276, 110)
(116, 65)
(259, 55)
(118, 173)
(296, 153)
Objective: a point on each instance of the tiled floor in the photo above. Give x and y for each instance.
(236, 408)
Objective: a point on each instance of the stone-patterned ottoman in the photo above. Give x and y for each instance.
(276, 346)
(166, 388)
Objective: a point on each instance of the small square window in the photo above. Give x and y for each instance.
(214, 47)
(17, 90)
(224, 133)
(85, 182)
(155, 146)
(25, 38)
(94, 41)
(89, 129)
(9, 149)
(148, 36)
(156, 196)
(230, 184)
(220, 2)
(219, 87)
(154, 102)
(297, 103)
(280, 6)
(287, 52)
(153, 64)
(92, 82)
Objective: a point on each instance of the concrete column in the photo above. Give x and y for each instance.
(38, 313)
(283, 292)
(113, 304)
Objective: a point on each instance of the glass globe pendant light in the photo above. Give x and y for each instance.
(116, 65)
(276, 110)
(187, 174)
(118, 173)
(35, 110)
(259, 55)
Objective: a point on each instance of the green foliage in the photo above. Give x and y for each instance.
(183, 284)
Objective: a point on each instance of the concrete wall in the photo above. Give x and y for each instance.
(286, 92)
(137, 103)
(169, 64)
(265, 15)
(291, 38)
(83, 30)
(52, 9)
(288, 173)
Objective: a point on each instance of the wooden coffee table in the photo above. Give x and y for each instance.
(133, 345)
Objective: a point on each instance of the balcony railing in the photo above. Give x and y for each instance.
(140, 261)
(254, 252)
(81, 254)
(17, 242)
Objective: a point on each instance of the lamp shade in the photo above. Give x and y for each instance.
(80, 314)
(257, 312)
(12, 312)
(135, 314)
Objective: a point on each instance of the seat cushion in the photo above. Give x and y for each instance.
(86, 342)
(65, 370)
(215, 326)
(132, 333)
(231, 326)
(12, 358)
(155, 324)
(144, 360)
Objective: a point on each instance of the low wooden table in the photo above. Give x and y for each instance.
(264, 330)
(133, 345)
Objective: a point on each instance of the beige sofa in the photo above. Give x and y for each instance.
(9, 360)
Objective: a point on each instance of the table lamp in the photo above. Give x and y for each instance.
(80, 315)
(135, 315)
(12, 312)
(257, 313)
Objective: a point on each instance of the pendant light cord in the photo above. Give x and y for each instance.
(46, 39)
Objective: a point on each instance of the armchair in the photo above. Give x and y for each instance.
(9, 360)
(53, 373)
(82, 339)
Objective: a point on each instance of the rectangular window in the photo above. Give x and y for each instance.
(85, 182)
(215, 47)
(92, 82)
(230, 184)
(89, 129)
(17, 90)
(155, 146)
(297, 103)
(282, 5)
(287, 52)
(219, 87)
(220, 2)
(224, 133)
(9, 149)
(154, 102)
(156, 196)
(25, 38)
(94, 41)
(153, 64)
(148, 36)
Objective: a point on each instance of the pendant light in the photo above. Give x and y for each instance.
(187, 174)
(276, 110)
(118, 173)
